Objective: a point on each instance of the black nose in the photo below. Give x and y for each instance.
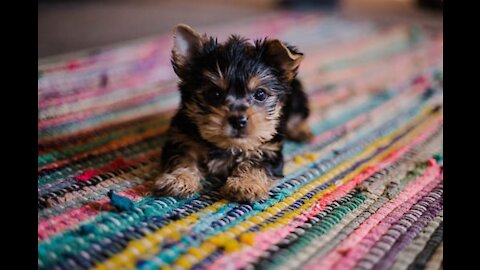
(238, 122)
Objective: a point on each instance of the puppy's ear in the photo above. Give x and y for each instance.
(186, 43)
(285, 58)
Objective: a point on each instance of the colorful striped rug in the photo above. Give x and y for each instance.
(366, 193)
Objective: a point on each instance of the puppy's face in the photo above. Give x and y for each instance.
(233, 92)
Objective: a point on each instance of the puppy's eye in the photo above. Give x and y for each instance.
(260, 94)
(214, 95)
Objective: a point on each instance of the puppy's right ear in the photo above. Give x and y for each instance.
(186, 44)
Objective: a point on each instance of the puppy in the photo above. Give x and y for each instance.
(239, 102)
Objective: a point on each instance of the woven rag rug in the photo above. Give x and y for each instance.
(365, 193)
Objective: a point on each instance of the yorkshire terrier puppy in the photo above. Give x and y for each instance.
(239, 102)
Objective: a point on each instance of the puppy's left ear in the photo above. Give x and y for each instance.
(283, 57)
(186, 44)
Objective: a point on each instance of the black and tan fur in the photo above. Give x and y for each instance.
(239, 102)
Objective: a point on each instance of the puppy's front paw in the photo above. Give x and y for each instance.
(182, 183)
(245, 189)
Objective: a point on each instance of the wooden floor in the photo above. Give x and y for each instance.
(72, 25)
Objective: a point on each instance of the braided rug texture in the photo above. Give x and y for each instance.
(366, 193)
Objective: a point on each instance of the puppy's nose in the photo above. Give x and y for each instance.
(238, 122)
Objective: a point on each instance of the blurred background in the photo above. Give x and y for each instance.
(373, 76)
(70, 25)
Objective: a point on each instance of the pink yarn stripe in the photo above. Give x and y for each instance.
(369, 241)
(92, 111)
(136, 81)
(347, 253)
(88, 63)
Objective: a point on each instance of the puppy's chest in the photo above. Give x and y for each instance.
(221, 167)
(221, 163)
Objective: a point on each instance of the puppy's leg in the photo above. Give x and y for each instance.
(247, 183)
(181, 175)
(297, 112)
(182, 182)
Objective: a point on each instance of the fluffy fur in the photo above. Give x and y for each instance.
(239, 102)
